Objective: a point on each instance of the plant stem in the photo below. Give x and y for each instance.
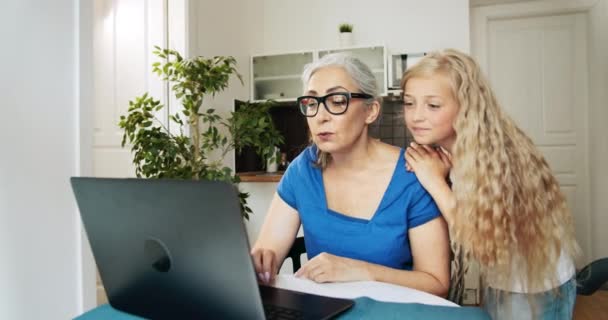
(163, 126)
(231, 145)
(226, 150)
(195, 138)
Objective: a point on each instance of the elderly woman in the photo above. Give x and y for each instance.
(364, 216)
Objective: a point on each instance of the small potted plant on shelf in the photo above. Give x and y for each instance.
(161, 153)
(346, 34)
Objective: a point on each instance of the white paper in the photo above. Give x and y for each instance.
(376, 290)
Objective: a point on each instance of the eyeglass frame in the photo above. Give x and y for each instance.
(348, 95)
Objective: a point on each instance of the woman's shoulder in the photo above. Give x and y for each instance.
(389, 152)
(306, 157)
(299, 171)
(395, 159)
(303, 162)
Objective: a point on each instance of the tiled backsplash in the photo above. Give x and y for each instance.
(390, 127)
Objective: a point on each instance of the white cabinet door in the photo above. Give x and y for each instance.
(278, 76)
(374, 57)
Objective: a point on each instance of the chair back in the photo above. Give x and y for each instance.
(297, 249)
(457, 271)
(592, 277)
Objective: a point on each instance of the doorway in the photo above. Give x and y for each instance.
(535, 55)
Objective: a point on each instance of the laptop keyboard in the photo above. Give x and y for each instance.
(277, 312)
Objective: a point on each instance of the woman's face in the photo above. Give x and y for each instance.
(430, 110)
(335, 133)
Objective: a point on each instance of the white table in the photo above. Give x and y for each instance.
(376, 290)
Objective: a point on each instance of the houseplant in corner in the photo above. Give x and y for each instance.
(346, 34)
(159, 153)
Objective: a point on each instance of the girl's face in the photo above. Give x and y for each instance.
(430, 109)
(336, 133)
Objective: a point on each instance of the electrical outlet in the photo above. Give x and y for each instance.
(469, 296)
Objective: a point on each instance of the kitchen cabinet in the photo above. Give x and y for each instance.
(278, 76)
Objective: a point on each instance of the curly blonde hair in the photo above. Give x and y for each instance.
(510, 215)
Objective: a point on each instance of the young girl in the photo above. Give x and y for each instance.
(503, 205)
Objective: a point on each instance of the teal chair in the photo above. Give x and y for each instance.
(592, 277)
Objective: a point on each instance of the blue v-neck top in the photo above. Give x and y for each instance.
(381, 240)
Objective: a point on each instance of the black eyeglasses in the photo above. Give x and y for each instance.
(335, 103)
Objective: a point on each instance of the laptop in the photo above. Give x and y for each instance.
(177, 249)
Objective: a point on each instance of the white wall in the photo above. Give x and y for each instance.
(230, 27)
(409, 25)
(239, 34)
(479, 3)
(598, 113)
(40, 264)
(242, 28)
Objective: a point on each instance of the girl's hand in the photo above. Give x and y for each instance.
(326, 267)
(431, 166)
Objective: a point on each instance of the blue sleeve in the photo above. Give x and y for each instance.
(291, 180)
(286, 187)
(422, 208)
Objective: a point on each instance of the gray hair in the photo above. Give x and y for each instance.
(360, 73)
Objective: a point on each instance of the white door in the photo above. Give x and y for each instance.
(125, 33)
(124, 36)
(538, 68)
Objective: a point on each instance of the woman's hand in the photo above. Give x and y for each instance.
(265, 264)
(275, 238)
(431, 166)
(326, 267)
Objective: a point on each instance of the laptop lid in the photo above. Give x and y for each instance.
(170, 249)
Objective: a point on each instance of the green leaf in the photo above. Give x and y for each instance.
(157, 153)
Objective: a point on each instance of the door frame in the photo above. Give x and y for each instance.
(84, 19)
(480, 19)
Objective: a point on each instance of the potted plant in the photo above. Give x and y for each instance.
(159, 153)
(252, 127)
(346, 34)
